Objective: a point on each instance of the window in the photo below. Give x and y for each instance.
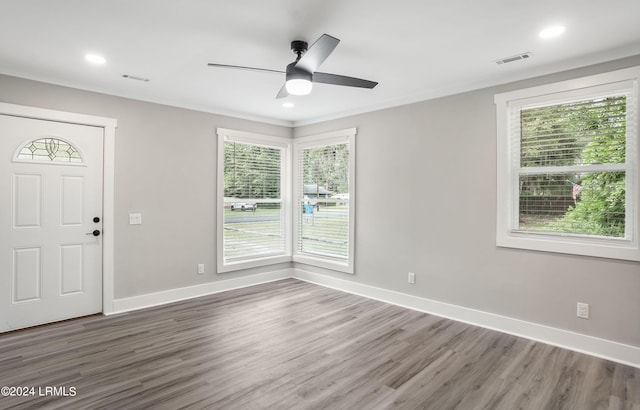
(568, 166)
(324, 200)
(253, 186)
(260, 222)
(49, 149)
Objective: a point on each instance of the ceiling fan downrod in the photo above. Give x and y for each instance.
(299, 47)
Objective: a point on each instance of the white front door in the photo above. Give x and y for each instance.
(50, 209)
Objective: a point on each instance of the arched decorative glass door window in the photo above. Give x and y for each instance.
(49, 149)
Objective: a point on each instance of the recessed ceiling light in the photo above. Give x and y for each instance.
(288, 105)
(95, 59)
(552, 31)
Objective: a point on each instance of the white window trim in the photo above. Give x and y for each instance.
(627, 248)
(225, 135)
(301, 143)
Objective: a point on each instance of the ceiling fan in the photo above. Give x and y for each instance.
(301, 74)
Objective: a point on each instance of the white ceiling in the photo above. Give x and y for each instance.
(415, 49)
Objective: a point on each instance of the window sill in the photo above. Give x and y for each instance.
(253, 263)
(612, 248)
(336, 265)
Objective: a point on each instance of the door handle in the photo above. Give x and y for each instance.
(96, 232)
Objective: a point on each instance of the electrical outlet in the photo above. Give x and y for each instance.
(411, 277)
(583, 310)
(200, 268)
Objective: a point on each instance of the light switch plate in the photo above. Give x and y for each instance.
(411, 278)
(583, 310)
(135, 219)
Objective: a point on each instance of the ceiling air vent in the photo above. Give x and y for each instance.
(134, 77)
(522, 56)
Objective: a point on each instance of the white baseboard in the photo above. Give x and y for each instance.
(606, 349)
(175, 295)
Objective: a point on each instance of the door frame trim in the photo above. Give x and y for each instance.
(109, 126)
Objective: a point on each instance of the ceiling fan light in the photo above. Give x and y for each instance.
(299, 86)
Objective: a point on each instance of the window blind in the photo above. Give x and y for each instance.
(572, 167)
(323, 192)
(253, 205)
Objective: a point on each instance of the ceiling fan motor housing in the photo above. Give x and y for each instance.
(299, 47)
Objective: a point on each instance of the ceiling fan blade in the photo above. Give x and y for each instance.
(317, 53)
(240, 67)
(335, 79)
(283, 93)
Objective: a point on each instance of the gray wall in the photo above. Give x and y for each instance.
(408, 157)
(411, 157)
(166, 170)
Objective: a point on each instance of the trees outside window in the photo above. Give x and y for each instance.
(573, 136)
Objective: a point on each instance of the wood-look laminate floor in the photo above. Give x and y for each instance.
(295, 345)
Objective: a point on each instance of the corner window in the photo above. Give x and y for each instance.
(253, 192)
(324, 200)
(568, 167)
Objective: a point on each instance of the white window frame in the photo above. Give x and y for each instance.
(319, 140)
(507, 233)
(226, 135)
